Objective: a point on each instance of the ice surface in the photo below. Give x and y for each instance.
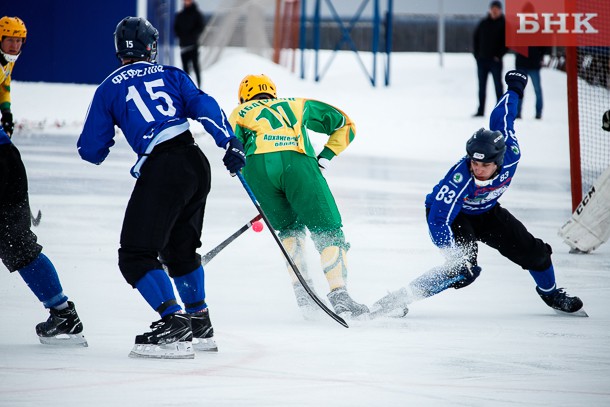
(494, 343)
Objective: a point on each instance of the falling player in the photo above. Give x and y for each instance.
(463, 208)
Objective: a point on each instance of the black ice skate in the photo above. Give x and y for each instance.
(62, 328)
(562, 303)
(344, 304)
(394, 304)
(203, 332)
(171, 338)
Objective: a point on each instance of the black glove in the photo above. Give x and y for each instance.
(606, 121)
(234, 158)
(7, 122)
(516, 81)
(470, 273)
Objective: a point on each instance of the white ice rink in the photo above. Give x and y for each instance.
(494, 343)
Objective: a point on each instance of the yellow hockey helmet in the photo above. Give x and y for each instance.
(253, 85)
(12, 27)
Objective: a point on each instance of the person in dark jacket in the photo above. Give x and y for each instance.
(188, 26)
(489, 48)
(531, 65)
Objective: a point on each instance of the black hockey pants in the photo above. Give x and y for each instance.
(18, 246)
(164, 216)
(499, 229)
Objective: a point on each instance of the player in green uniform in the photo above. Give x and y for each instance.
(284, 172)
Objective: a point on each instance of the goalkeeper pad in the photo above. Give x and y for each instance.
(589, 226)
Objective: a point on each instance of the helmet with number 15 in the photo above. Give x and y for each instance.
(136, 38)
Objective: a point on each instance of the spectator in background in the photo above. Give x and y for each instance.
(188, 26)
(531, 64)
(489, 48)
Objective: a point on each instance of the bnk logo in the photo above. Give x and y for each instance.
(557, 23)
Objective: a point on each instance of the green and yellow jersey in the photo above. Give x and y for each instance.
(5, 85)
(272, 125)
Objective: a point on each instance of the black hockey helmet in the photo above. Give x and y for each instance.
(136, 38)
(486, 146)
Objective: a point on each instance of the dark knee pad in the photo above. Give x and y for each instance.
(181, 267)
(134, 263)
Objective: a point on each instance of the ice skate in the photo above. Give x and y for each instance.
(171, 338)
(307, 305)
(63, 328)
(203, 332)
(344, 305)
(394, 304)
(562, 303)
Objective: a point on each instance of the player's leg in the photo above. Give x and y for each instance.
(179, 255)
(511, 238)
(459, 270)
(311, 198)
(20, 252)
(146, 231)
(265, 176)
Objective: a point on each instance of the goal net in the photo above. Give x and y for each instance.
(588, 71)
(244, 24)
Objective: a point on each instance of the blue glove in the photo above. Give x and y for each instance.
(234, 158)
(516, 81)
(470, 273)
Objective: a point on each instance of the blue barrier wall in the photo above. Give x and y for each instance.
(68, 41)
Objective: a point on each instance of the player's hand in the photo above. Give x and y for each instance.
(234, 158)
(516, 81)
(606, 121)
(7, 122)
(323, 163)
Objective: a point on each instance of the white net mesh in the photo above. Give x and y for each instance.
(246, 24)
(593, 101)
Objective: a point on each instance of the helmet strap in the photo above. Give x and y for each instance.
(486, 182)
(9, 57)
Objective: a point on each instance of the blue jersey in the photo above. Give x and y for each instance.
(458, 192)
(150, 103)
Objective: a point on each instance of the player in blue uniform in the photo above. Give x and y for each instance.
(20, 251)
(163, 221)
(463, 209)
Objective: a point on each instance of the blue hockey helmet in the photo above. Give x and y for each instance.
(486, 146)
(136, 38)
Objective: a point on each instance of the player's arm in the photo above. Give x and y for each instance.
(98, 132)
(445, 203)
(5, 106)
(324, 118)
(204, 108)
(503, 116)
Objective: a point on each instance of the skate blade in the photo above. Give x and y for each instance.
(176, 350)
(395, 313)
(205, 344)
(580, 313)
(68, 340)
